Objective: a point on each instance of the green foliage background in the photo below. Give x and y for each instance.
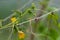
(48, 27)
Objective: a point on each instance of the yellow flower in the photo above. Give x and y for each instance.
(21, 34)
(13, 19)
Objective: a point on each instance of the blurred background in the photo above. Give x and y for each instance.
(7, 7)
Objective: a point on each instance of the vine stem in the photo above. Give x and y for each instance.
(30, 30)
(11, 33)
(18, 18)
(31, 19)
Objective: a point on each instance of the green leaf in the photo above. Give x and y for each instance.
(53, 33)
(59, 25)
